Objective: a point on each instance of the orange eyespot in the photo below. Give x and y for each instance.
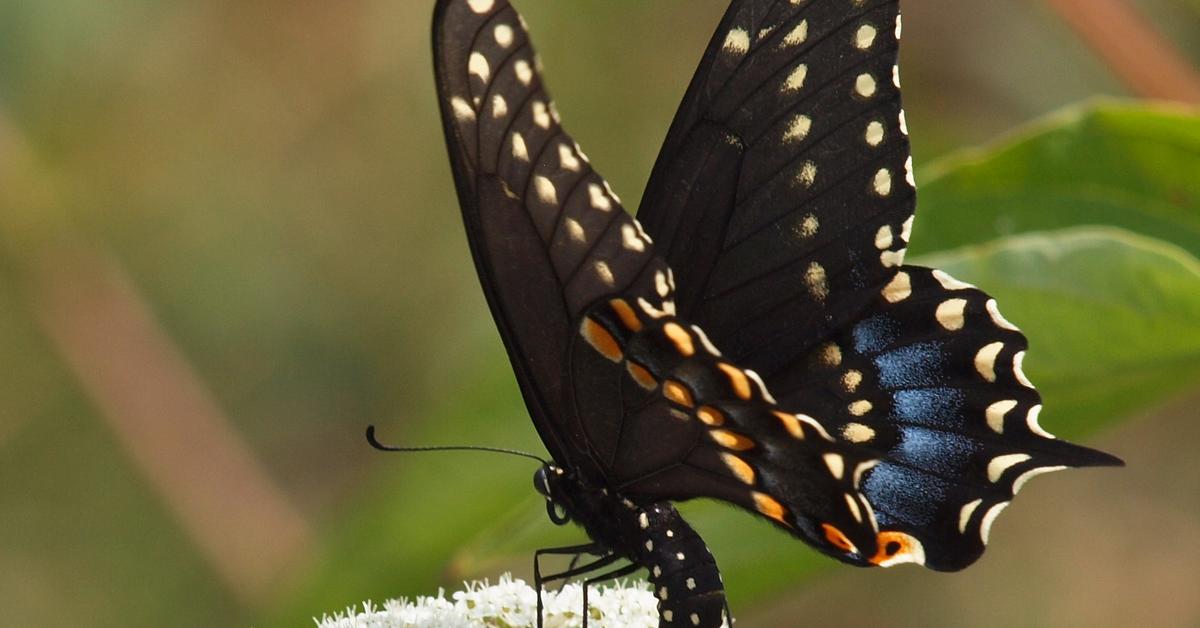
(839, 540)
(898, 547)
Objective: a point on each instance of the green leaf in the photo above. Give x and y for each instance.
(1106, 163)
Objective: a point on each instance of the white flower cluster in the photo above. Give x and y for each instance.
(508, 604)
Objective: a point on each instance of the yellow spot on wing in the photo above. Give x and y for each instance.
(678, 393)
(898, 289)
(831, 354)
(857, 432)
(730, 440)
(768, 506)
(710, 416)
(743, 471)
(791, 424)
(860, 407)
(950, 314)
(681, 338)
(602, 341)
(641, 375)
(629, 318)
(737, 379)
(838, 539)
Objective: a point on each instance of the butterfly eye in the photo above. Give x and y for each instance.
(838, 539)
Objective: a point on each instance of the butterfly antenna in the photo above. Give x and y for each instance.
(381, 447)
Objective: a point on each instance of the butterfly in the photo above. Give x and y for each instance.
(755, 335)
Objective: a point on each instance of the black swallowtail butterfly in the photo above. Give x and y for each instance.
(757, 338)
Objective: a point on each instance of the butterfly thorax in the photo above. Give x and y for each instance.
(654, 536)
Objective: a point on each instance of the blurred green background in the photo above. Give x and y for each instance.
(229, 241)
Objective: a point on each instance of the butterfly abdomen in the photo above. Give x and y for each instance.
(683, 571)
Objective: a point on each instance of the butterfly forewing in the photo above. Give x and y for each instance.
(547, 235)
(786, 162)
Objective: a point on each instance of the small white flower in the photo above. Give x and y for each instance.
(510, 603)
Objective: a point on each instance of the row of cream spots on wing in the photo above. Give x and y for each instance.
(663, 355)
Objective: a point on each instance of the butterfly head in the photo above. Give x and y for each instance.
(549, 480)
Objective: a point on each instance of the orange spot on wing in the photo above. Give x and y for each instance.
(737, 379)
(768, 506)
(681, 338)
(711, 416)
(740, 468)
(838, 539)
(678, 393)
(791, 424)
(602, 341)
(896, 548)
(730, 440)
(640, 375)
(625, 312)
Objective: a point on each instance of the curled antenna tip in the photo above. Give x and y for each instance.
(512, 452)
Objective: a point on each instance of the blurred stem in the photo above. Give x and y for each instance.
(1145, 61)
(144, 387)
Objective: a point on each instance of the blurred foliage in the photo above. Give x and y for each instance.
(271, 176)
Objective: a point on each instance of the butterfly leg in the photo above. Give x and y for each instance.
(539, 581)
(612, 575)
